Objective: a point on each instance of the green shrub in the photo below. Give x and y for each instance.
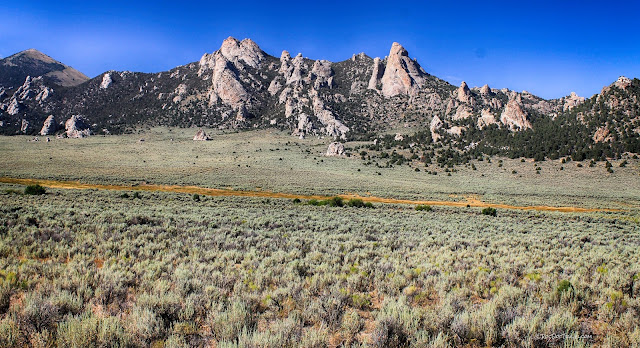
(296, 200)
(423, 207)
(137, 195)
(563, 286)
(196, 197)
(335, 202)
(356, 202)
(227, 325)
(489, 211)
(34, 190)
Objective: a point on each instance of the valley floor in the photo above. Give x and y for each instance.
(141, 267)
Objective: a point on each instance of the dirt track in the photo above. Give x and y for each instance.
(470, 201)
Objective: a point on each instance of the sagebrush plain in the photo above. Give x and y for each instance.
(139, 268)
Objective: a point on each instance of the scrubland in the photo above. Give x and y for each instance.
(81, 268)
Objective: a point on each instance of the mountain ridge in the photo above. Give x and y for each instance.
(241, 86)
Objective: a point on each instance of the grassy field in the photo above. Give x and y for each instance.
(101, 268)
(275, 161)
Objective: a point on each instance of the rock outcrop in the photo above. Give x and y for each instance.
(49, 126)
(486, 118)
(106, 81)
(434, 126)
(402, 75)
(77, 127)
(376, 76)
(572, 101)
(464, 93)
(246, 51)
(24, 126)
(514, 116)
(201, 136)
(335, 149)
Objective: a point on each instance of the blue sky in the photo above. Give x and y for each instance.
(547, 48)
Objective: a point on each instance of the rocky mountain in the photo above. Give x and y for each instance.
(16, 68)
(241, 86)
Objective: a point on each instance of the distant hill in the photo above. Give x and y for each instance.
(239, 86)
(15, 69)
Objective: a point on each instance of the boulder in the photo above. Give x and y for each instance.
(77, 127)
(201, 135)
(335, 149)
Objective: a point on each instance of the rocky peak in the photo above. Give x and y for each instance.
(246, 50)
(622, 82)
(572, 101)
(322, 74)
(464, 94)
(34, 63)
(485, 91)
(402, 75)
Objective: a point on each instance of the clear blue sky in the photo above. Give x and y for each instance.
(547, 48)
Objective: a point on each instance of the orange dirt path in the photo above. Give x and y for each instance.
(470, 200)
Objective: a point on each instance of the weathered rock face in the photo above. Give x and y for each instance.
(464, 94)
(106, 81)
(402, 75)
(335, 149)
(514, 116)
(485, 91)
(50, 126)
(225, 80)
(436, 123)
(77, 127)
(201, 136)
(322, 74)
(622, 82)
(486, 118)
(245, 50)
(376, 76)
(14, 107)
(572, 101)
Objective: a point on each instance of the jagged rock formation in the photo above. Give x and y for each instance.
(514, 116)
(335, 149)
(77, 127)
(241, 86)
(572, 101)
(402, 75)
(201, 135)
(49, 126)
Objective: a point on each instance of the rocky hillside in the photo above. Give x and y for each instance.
(241, 86)
(16, 68)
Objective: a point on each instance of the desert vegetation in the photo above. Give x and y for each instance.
(137, 268)
(98, 268)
